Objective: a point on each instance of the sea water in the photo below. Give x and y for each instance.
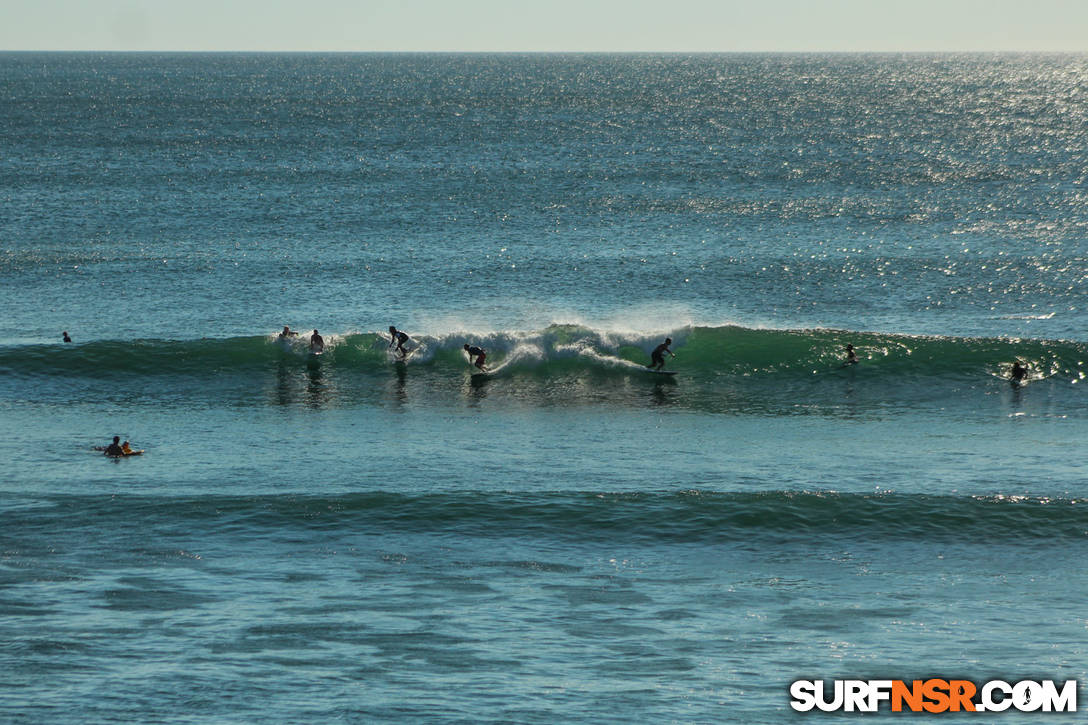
(351, 538)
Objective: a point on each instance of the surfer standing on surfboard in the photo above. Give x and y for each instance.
(317, 343)
(398, 338)
(657, 357)
(478, 352)
(1018, 373)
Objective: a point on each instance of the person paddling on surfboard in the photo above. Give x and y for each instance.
(479, 353)
(317, 343)
(398, 338)
(657, 357)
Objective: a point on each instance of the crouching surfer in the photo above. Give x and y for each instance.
(398, 338)
(657, 357)
(479, 353)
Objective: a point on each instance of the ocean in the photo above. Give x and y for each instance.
(570, 538)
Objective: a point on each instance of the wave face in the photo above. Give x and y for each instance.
(687, 516)
(728, 355)
(720, 370)
(703, 353)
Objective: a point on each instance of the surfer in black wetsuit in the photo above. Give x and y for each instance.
(1018, 373)
(657, 357)
(851, 356)
(317, 343)
(398, 338)
(114, 449)
(66, 338)
(479, 353)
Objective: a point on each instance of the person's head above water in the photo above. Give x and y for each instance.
(116, 438)
(466, 345)
(392, 328)
(668, 340)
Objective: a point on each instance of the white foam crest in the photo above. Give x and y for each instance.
(557, 341)
(1027, 316)
(646, 320)
(609, 360)
(521, 353)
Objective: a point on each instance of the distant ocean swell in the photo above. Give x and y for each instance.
(565, 349)
(688, 516)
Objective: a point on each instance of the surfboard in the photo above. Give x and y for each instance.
(662, 372)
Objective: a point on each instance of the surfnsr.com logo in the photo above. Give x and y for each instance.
(934, 695)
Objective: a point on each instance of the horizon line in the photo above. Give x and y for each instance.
(545, 52)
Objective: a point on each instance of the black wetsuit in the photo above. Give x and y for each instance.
(657, 357)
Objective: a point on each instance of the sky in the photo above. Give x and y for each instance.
(546, 26)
